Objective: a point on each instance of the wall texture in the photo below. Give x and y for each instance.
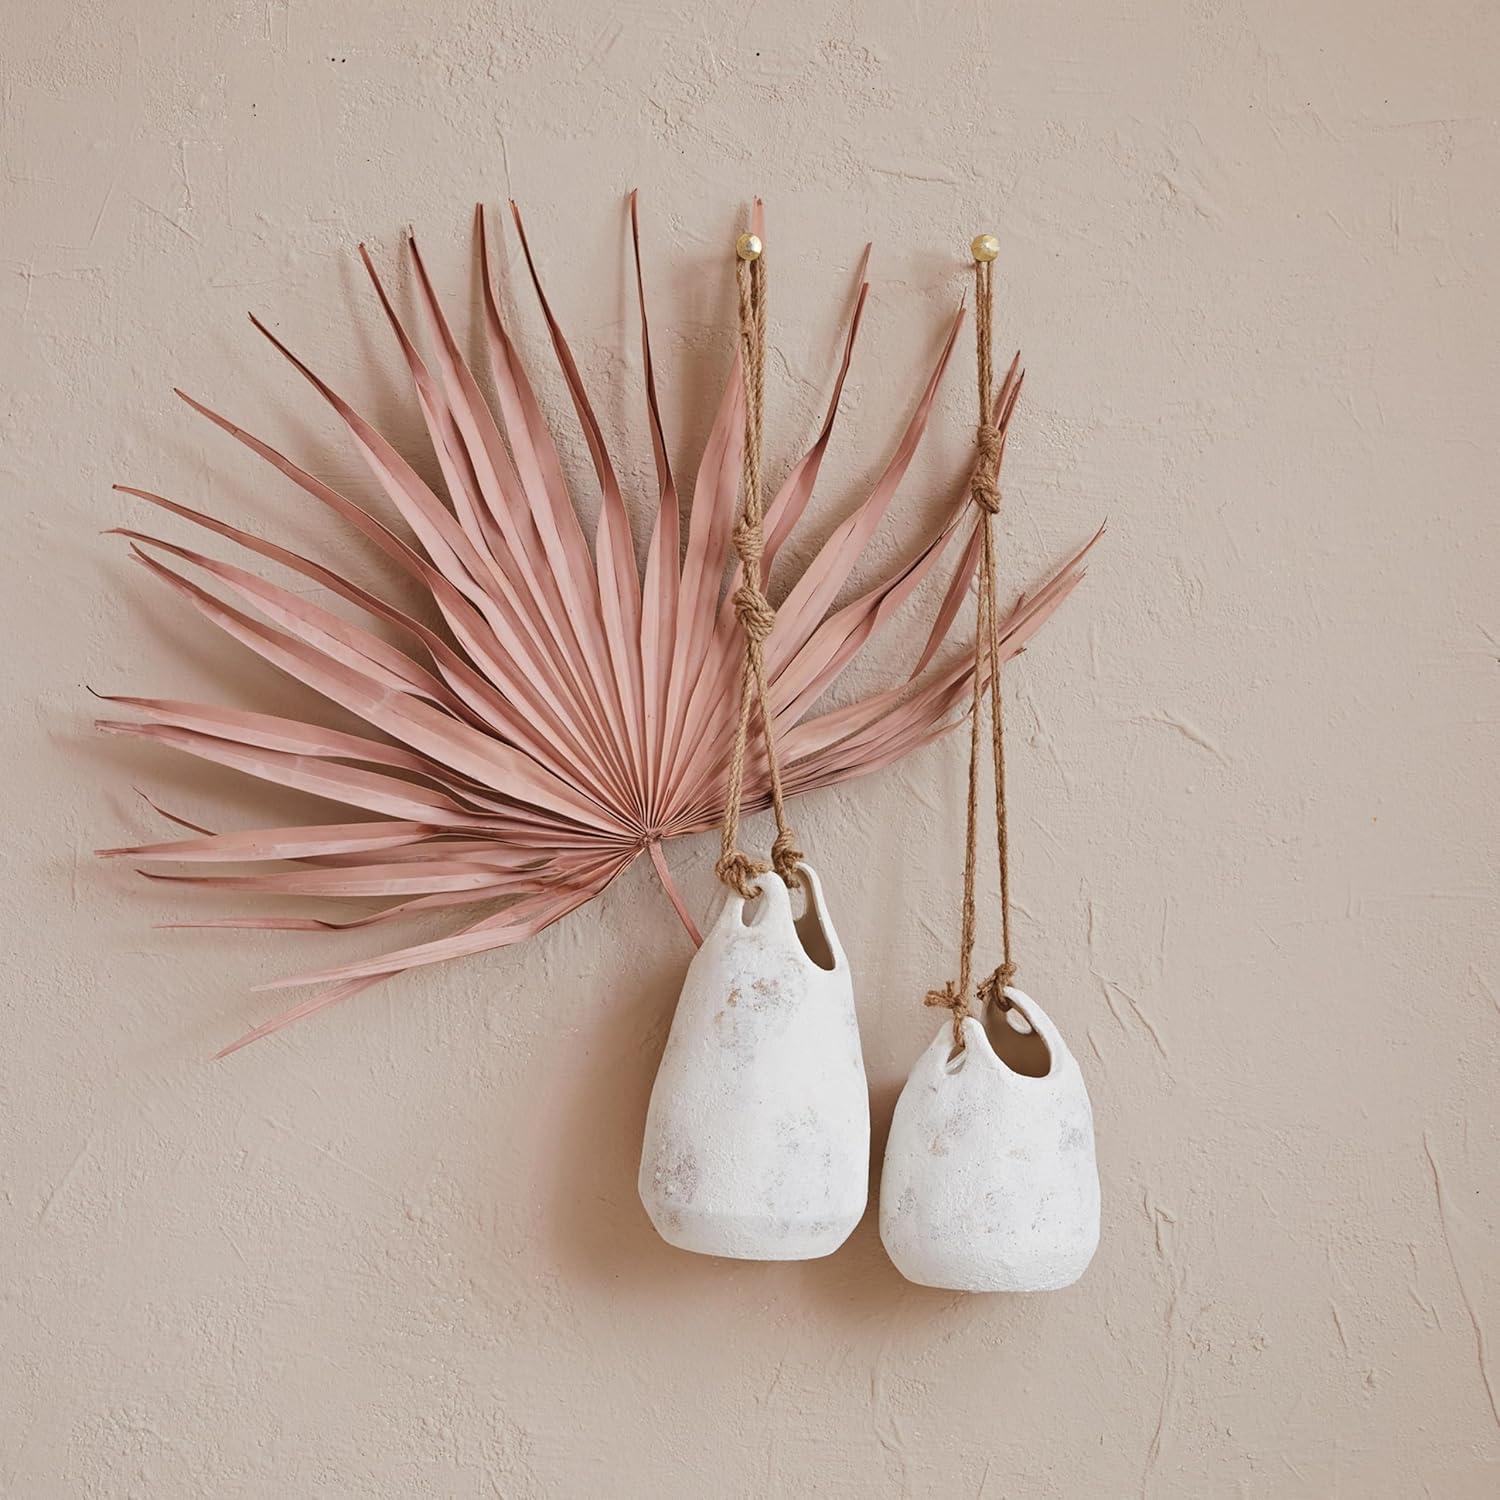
(1249, 250)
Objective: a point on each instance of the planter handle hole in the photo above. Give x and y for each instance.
(812, 932)
(1017, 1042)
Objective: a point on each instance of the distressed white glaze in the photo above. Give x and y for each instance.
(758, 1134)
(990, 1183)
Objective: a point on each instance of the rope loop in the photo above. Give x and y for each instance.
(752, 609)
(984, 488)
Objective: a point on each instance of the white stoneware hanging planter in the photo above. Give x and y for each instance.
(990, 1183)
(758, 1134)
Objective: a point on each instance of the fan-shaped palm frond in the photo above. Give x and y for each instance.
(571, 714)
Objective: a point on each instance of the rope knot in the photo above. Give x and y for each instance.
(948, 997)
(991, 991)
(786, 856)
(985, 485)
(757, 618)
(951, 998)
(736, 868)
(749, 545)
(750, 603)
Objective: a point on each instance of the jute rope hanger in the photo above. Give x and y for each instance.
(985, 490)
(753, 610)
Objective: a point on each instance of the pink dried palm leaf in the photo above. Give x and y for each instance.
(572, 712)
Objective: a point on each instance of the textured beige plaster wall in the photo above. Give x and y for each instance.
(398, 1251)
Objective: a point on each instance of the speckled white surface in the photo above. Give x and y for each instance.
(1249, 251)
(989, 1182)
(757, 1138)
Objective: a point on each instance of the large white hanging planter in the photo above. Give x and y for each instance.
(990, 1182)
(758, 1134)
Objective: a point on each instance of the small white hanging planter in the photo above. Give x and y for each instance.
(758, 1134)
(990, 1183)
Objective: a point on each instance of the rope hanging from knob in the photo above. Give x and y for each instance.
(984, 487)
(756, 616)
